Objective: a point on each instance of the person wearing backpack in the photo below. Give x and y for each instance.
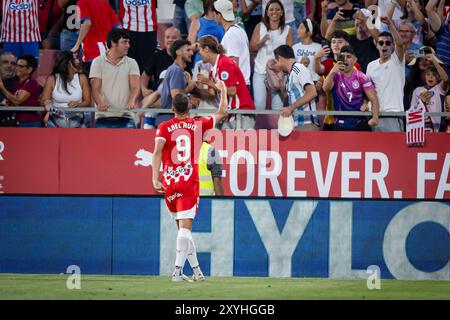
(268, 35)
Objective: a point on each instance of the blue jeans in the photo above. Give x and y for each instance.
(293, 27)
(115, 122)
(299, 13)
(67, 39)
(22, 48)
(31, 124)
(260, 94)
(181, 21)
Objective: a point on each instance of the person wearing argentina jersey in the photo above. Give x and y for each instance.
(299, 87)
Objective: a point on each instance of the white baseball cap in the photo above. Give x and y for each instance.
(225, 7)
(285, 125)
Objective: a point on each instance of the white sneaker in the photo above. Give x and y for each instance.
(198, 277)
(180, 278)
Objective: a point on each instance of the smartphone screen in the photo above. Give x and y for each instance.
(348, 14)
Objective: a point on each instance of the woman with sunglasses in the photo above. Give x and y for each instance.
(25, 92)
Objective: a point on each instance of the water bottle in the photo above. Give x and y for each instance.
(149, 121)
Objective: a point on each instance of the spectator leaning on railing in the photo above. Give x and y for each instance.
(299, 87)
(115, 83)
(65, 88)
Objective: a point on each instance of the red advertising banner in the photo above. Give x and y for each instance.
(255, 163)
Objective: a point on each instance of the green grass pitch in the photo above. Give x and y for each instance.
(34, 286)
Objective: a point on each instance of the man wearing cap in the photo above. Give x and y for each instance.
(349, 86)
(235, 40)
(388, 75)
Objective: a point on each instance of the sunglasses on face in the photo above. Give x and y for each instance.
(382, 43)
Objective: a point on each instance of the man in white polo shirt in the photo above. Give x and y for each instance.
(235, 40)
(115, 83)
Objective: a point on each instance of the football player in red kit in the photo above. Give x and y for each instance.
(177, 146)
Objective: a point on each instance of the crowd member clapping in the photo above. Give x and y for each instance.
(349, 86)
(271, 33)
(65, 88)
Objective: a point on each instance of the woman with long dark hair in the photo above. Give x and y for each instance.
(65, 88)
(269, 34)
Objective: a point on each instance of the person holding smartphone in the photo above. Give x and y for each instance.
(339, 18)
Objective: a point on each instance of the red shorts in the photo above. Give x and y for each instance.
(182, 201)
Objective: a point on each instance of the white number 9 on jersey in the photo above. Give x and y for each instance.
(184, 148)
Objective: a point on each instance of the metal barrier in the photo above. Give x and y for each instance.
(239, 113)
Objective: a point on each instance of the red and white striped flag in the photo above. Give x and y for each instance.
(415, 126)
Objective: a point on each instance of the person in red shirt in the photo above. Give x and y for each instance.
(25, 92)
(97, 19)
(177, 146)
(226, 69)
(49, 14)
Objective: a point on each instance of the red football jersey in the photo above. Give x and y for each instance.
(228, 71)
(103, 19)
(182, 148)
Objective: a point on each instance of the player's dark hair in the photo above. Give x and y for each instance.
(284, 51)
(181, 103)
(177, 45)
(115, 35)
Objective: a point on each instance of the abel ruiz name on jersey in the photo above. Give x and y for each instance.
(183, 125)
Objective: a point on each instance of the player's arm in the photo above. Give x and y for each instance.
(223, 105)
(373, 98)
(310, 94)
(399, 47)
(156, 164)
(85, 26)
(328, 84)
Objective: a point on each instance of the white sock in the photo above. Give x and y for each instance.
(182, 247)
(192, 255)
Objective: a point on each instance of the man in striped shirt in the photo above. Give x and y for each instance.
(138, 17)
(20, 27)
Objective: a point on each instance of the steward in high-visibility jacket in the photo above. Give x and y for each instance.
(210, 171)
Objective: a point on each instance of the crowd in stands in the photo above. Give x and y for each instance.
(282, 55)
